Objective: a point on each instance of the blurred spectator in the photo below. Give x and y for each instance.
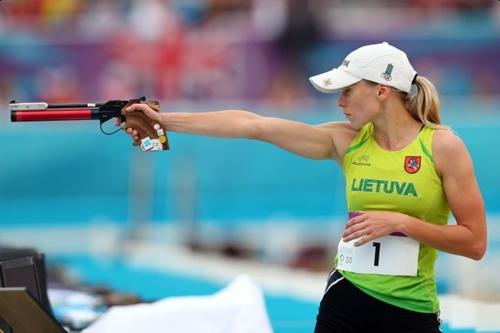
(299, 33)
(21, 13)
(101, 20)
(288, 89)
(59, 15)
(459, 4)
(119, 81)
(295, 29)
(58, 85)
(269, 18)
(151, 20)
(496, 16)
(224, 10)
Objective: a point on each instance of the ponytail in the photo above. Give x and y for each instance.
(424, 104)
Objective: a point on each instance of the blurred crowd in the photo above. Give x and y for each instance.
(66, 50)
(108, 17)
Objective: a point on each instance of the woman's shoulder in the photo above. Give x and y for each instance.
(447, 148)
(446, 141)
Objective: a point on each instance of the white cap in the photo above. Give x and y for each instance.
(381, 63)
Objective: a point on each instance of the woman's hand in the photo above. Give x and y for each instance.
(370, 225)
(146, 109)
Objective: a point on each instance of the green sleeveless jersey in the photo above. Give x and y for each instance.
(403, 181)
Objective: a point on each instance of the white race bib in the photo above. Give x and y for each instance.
(388, 255)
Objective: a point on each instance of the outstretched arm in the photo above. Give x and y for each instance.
(326, 141)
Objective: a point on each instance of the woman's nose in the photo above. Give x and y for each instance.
(341, 101)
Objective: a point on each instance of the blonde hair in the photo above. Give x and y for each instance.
(424, 104)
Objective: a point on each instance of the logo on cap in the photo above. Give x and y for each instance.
(327, 82)
(388, 71)
(345, 63)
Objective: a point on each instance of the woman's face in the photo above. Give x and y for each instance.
(359, 103)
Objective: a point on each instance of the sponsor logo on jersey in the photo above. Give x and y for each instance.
(363, 160)
(412, 164)
(384, 186)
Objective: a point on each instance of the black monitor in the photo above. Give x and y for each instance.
(25, 267)
(21, 272)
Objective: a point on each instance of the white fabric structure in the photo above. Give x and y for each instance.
(238, 308)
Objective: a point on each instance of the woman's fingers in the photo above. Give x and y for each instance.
(355, 220)
(133, 133)
(136, 107)
(355, 231)
(365, 239)
(144, 108)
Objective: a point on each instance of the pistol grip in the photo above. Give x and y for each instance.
(147, 127)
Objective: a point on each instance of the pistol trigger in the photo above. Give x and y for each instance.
(102, 121)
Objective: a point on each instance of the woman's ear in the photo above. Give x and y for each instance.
(384, 91)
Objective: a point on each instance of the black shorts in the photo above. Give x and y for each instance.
(346, 308)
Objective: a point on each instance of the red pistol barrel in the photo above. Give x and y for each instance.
(46, 112)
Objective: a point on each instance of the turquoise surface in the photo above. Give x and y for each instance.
(287, 314)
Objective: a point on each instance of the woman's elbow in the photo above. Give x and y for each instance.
(478, 251)
(254, 128)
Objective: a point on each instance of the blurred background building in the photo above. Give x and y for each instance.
(93, 194)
